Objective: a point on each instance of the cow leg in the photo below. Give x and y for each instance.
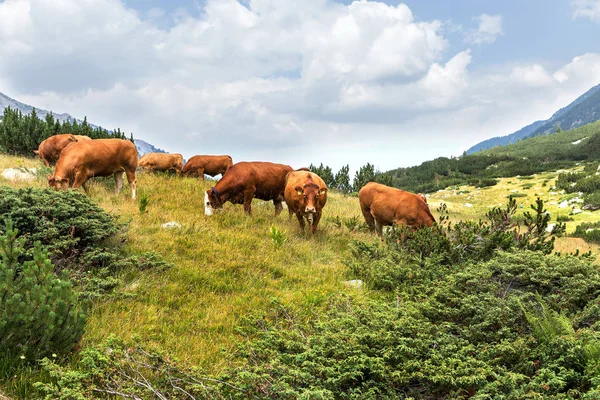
(131, 180)
(368, 217)
(278, 206)
(301, 220)
(201, 174)
(118, 180)
(315, 223)
(248, 195)
(378, 227)
(79, 180)
(86, 187)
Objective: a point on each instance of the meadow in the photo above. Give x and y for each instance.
(227, 266)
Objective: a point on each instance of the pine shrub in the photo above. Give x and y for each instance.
(64, 222)
(39, 312)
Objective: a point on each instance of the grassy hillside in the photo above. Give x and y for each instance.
(227, 267)
(534, 155)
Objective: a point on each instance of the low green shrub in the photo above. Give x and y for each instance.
(39, 311)
(588, 231)
(564, 218)
(64, 222)
(591, 201)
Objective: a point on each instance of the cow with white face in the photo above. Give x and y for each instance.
(245, 181)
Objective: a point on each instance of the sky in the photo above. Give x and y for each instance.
(298, 82)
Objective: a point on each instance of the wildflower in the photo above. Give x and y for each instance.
(22, 357)
(53, 355)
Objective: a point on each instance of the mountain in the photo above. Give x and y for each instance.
(584, 110)
(143, 147)
(6, 101)
(508, 139)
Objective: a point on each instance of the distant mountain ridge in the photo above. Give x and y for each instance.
(584, 110)
(143, 147)
(6, 101)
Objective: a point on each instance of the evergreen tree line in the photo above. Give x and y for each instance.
(20, 133)
(341, 179)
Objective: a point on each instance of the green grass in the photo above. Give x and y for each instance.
(226, 266)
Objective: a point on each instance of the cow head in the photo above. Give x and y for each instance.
(310, 194)
(212, 201)
(58, 183)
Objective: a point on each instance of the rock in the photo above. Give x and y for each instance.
(577, 211)
(468, 205)
(564, 204)
(576, 200)
(355, 283)
(553, 203)
(171, 225)
(550, 227)
(19, 174)
(591, 207)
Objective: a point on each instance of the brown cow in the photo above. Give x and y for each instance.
(49, 150)
(82, 138)
(209, 165)
(305, 195)
(161, 162)
(383, 205)
(102, 157)
(245, 180)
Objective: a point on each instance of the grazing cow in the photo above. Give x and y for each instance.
(161, 162)
(49, 150)
(209, 165)
(246, 180)
(383, 205)
(305, 195)
(82, 138)
(102, 157)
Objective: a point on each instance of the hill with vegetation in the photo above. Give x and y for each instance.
(584, 110)
(537, 154)
(236, 306)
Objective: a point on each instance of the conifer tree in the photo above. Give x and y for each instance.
(39, 313)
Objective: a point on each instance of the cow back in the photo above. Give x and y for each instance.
(101, 157)
(266, 179)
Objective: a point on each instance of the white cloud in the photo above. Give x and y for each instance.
(586, 9)
(280, 80)
(488, 29)
(532, 75)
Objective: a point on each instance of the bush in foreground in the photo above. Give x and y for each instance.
(39, 312)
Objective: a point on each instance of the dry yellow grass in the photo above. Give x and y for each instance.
(226, 266)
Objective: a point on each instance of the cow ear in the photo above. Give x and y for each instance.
(299, 190)
(322, 191)
(35, 152)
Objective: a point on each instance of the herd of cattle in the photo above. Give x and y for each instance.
(79, 158)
